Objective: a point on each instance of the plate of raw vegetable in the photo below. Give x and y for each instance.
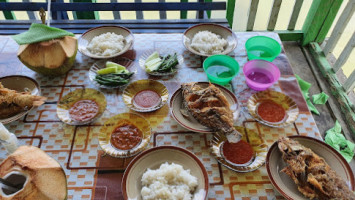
(160, 62)
(114, 73)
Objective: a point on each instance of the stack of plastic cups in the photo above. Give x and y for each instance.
(260, 73)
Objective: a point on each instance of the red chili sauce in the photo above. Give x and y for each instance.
(271, 111)
(146, 99)
(126, 137)
(83, 110)
(238, 153)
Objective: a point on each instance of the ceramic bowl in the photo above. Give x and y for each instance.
(223, 31)
(86, 38)
(287, 103)
(285, 185)
(146, 84)
(102, 64)
(190, 122)
(20, 84)
(138, 121)
(152, 159)
(162, 52)
(80, 94)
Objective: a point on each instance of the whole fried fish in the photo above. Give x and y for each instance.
(13, 102)
(210, 107)
(312, 175)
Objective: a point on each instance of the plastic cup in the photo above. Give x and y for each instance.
(262, 47)
(220, 69)
(260, 74)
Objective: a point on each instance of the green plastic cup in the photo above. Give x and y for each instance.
(262, 47)
(220, 69)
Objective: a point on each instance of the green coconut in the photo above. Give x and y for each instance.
(36, 174)
(50, 58)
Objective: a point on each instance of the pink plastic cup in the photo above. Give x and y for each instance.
(260, 74)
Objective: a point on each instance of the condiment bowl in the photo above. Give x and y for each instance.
(86, 38)
(223, 31)
(136, 87)
(67, 101)
(152, 159)
(124, 118)
(220, 69)
(286, 102)
(250, 136)
(262, 47)
(260, 74)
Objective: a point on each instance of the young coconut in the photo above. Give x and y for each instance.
(37, 175)
(52, 58)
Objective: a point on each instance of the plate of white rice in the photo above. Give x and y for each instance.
(209, 39)
(165, 172)
(105, 42)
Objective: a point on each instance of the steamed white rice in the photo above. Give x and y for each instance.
(170, 182)
(106, 44)
(207, 42)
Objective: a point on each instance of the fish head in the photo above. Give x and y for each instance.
(289, 147)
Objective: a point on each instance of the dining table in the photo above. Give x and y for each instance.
(91, 174)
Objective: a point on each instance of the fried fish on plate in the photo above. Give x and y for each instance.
(13, 102)
(312, 175)
(210, 107)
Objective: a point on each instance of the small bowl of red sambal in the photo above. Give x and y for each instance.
(246, 155)
(125, 135)
(273, 108)
(145, 95)
(81, 106)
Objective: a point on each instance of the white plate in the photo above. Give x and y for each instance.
(223, 31)
(153, 158)
(191, 123)
(285, 185)
(86, 38)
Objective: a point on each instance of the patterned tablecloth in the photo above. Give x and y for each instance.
(92, 175)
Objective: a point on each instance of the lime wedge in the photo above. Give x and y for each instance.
(107, 70)
(112, 64)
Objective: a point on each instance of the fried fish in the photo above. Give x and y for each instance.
(312, 175)
(210, 107)
(13, 102)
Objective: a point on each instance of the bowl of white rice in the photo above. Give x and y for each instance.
(209, 39)
(105, 42)
(165, 172)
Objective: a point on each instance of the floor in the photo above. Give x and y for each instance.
(328, 112)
